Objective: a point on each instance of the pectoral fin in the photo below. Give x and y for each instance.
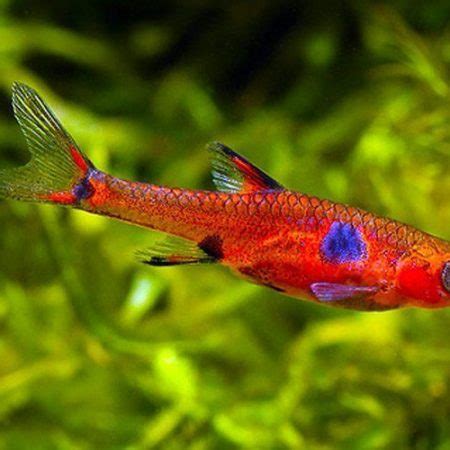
(334, 292)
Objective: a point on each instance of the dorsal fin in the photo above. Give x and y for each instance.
(233, 173)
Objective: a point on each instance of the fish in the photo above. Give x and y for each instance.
(299, 245)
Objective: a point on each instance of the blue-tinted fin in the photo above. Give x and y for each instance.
(174, 251)
(234, 174)
(333, 292)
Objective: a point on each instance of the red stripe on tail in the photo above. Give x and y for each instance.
(63, 198)
(78, 159)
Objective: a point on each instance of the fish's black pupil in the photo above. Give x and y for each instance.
(446, 276)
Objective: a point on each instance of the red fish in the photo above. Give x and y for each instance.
(302, 246)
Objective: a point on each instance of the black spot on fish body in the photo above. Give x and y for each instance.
(343, 243)
(212, 246)
(83, 190)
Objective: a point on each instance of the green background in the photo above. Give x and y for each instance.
(343, 100)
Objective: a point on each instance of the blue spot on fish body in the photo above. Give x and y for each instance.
(343, 243)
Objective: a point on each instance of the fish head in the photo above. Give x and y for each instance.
(423, 277)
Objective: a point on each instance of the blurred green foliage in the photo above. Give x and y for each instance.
(340, 99)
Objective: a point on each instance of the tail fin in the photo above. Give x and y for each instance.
(57, 165)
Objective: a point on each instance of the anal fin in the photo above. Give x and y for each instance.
(174, 251)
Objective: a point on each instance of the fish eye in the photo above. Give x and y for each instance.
(445, 276)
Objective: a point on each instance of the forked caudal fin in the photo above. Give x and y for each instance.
(57, 169)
